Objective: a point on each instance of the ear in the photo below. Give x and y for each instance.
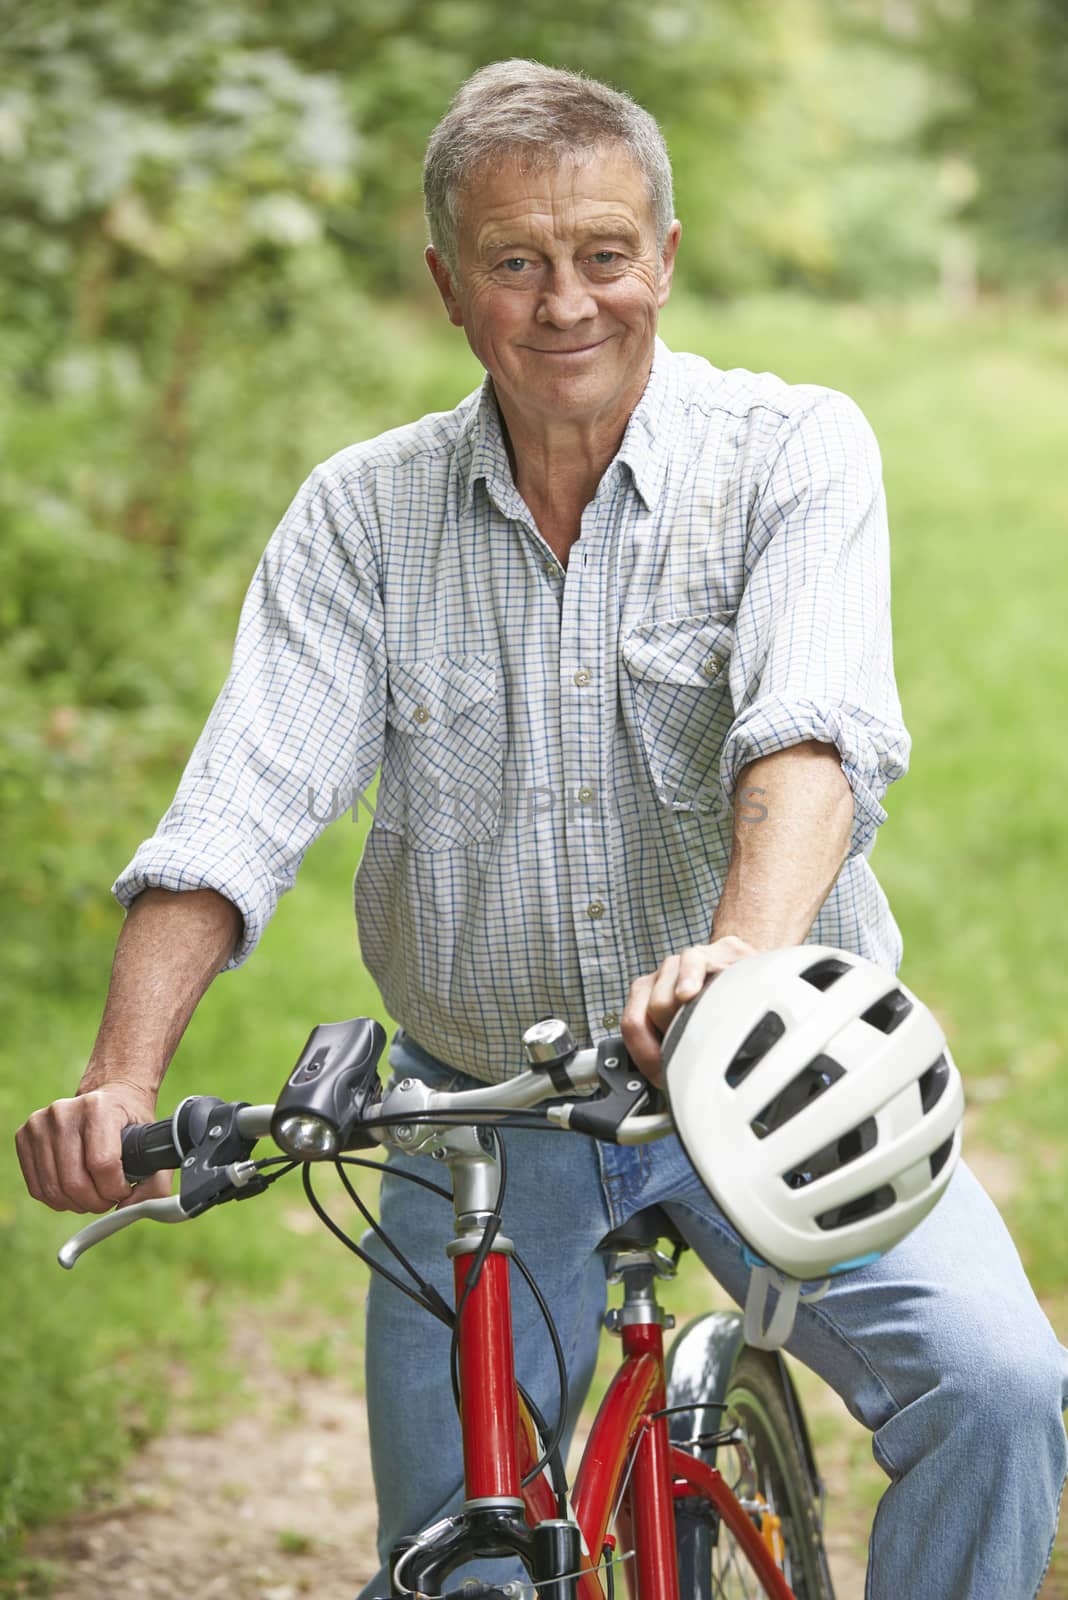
(667, 262)
(443, 278)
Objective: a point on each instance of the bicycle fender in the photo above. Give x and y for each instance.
(698, 1370)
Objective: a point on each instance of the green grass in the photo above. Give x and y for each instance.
(971, 420)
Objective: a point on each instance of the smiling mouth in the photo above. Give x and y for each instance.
(576, 350)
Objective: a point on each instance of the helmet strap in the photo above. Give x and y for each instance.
(765, 1333)
(770, 1334)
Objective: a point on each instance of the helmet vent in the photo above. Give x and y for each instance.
(768, 1031)
(867, 1205)
(940, 1156)
(933, 1083)
(839, 1153)
(809, 1084)
(823, 973)
(887, 1013)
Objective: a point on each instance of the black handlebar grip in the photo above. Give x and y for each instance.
(149, 1147)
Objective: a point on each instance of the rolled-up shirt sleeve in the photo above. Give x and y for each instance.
(296, 733)
(813, 656)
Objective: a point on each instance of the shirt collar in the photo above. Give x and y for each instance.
(647, 442)
(487, 455)
(644, 448)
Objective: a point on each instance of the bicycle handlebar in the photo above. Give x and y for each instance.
(149, 1147)
(334, 1086)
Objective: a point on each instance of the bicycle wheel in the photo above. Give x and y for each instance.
(763, 1467)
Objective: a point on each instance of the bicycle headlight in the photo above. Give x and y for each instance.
(330, 1091)
(306, 1138)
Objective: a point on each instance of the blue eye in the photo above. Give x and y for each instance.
(515, 263)
(604, 258)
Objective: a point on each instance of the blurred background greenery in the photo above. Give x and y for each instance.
(210, 240)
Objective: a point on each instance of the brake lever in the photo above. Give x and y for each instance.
(646, 1128)
(167, 1208)
(625, 1093)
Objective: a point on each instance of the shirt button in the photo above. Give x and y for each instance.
(595, 909)
(585, 794)
(551, 568)
(582, 677)
(609, 1020)
(420, 714)
(711, 665)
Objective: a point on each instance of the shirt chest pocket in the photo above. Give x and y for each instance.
(443, 765)
(677, 674)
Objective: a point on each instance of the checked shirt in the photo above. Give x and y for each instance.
(559, 749)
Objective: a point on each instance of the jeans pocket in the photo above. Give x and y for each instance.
(677, 671)
(443, 764)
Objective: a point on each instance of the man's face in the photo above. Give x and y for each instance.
(558, 284)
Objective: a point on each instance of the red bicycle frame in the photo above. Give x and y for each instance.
(630, 1470)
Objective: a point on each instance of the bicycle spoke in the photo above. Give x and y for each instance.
(733, 1579)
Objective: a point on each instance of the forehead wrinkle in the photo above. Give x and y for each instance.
(554, 204)
(607, 226)
(596, 228)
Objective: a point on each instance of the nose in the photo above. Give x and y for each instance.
(567, 299)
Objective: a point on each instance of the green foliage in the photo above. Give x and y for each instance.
(156, 150)
(1003, 68)
(121, 577)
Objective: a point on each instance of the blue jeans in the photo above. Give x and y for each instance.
(940, 1349)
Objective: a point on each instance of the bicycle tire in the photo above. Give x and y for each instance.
(766, 1461)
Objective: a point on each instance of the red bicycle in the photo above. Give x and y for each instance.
(697, 1478)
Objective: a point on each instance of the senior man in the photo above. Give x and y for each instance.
(617, 631)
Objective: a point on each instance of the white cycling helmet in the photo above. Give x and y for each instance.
(816, 1098)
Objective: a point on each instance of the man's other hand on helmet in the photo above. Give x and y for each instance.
(655, 997)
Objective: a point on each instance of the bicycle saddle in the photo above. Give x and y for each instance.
(642, 1230)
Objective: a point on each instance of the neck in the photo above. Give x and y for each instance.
(557, 464)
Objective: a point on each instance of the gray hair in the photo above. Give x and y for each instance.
(538, 114)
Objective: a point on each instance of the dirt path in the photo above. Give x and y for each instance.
(277, 1504)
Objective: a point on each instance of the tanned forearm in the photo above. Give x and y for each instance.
(793, 815)
(170, 948)
(790, 840)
